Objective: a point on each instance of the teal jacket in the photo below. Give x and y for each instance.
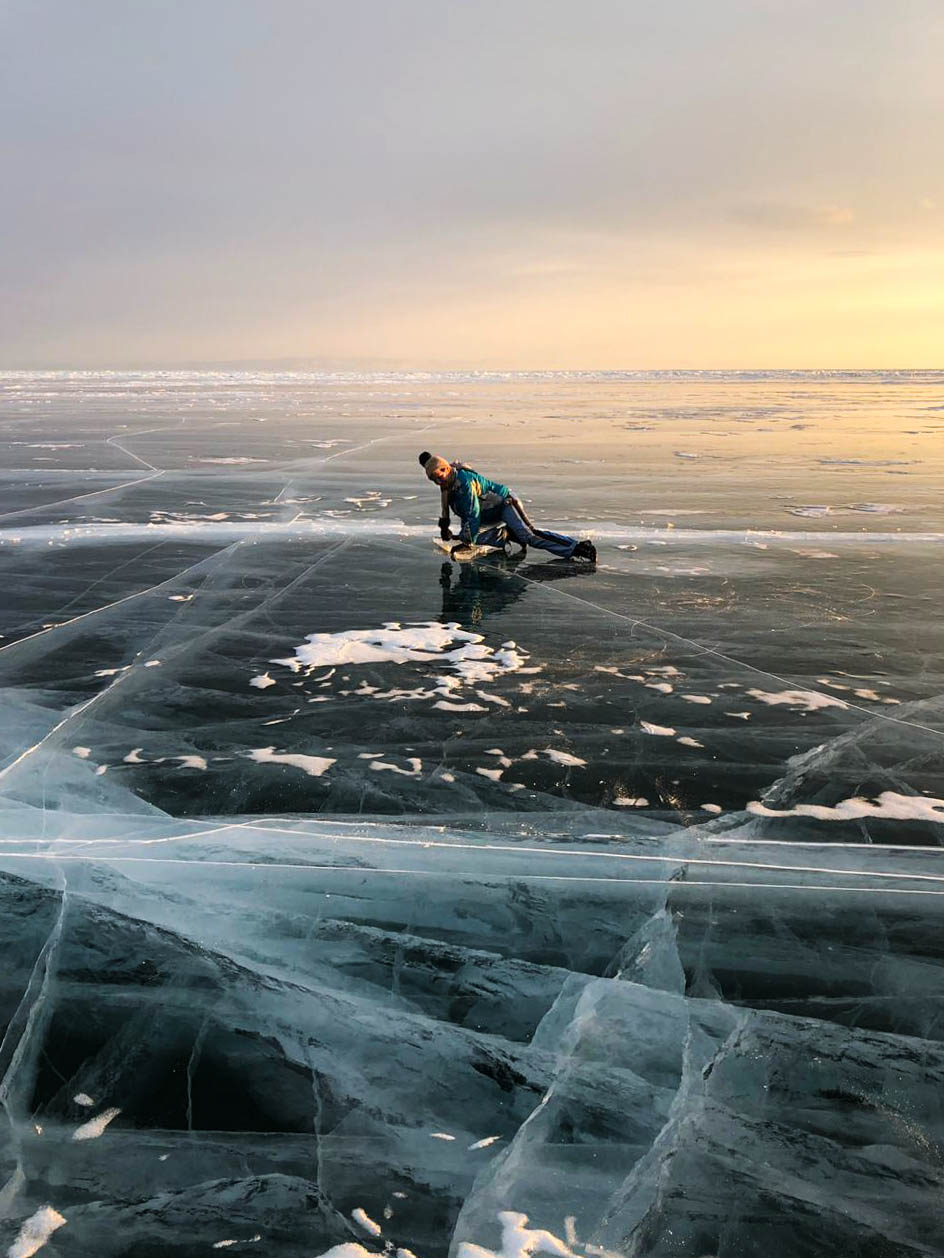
(477, 501)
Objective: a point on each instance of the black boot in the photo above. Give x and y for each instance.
(585, 550)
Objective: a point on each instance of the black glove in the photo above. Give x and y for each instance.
(445, 532)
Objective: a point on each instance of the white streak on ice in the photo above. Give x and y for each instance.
(663, 731)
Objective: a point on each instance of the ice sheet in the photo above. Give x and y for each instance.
(357, 902)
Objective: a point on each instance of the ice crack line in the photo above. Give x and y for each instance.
(364, 870)
(520, 849)
(154, 473)
(35, 1000)
(127, 598)
(635, 622)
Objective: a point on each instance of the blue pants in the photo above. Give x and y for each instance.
(511, 525)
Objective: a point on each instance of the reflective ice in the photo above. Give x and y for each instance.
(354, 898)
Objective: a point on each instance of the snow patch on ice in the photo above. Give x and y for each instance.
(35, 1232)
(518, 1241)
(349, 1249)
(363, 1219)
(192, 762)
(413, 771)
(889, 805)
(314, 766)
(663, 731)
(807, 700)
(95, 1126)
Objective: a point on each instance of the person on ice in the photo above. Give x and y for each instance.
(490, 513)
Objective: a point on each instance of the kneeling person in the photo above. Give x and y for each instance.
(490, 513)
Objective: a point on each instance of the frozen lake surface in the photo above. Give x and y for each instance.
(356, 898)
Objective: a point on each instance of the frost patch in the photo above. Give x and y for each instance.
(663, 731)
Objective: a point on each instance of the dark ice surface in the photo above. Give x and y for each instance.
(357, 898)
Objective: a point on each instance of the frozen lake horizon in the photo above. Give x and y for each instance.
(356, 897)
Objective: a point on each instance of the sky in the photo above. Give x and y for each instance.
(472, 183)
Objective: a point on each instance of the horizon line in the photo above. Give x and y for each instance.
(273, 365)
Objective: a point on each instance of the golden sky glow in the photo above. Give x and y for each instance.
(440, 184)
